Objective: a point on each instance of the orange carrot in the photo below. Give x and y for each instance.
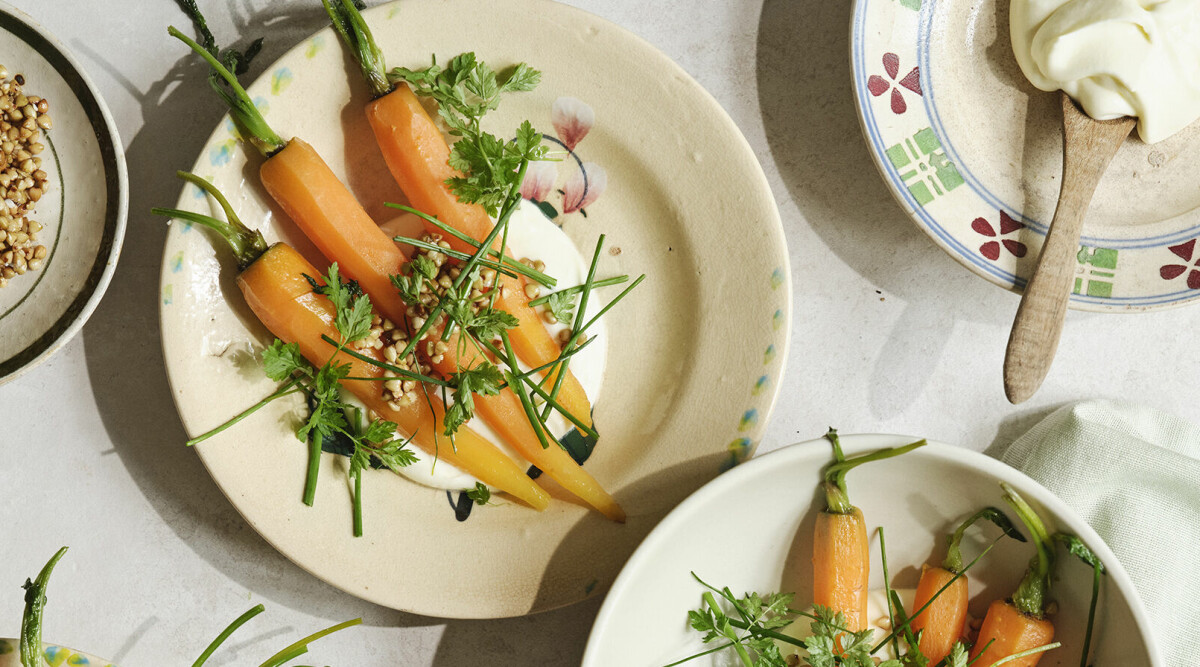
(418, 157)
(841, 565)
(277, 292)
(939, 607)
(1007, 631)
(1019, 624)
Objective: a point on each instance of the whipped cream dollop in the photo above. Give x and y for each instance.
(1115, 57)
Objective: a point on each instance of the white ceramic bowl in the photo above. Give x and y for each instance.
(751, 529)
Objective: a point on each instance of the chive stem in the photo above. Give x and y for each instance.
(580, 312)
(287, 653)
(455, 254)
(384, 365)
(529, 272)
(606, 282)
(229, 630)
(285, 390)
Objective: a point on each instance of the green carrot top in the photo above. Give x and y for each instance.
(1030, 596)
(247, 244)
(349, 24)
(226, 65)
(837, 499)
(35, 604)
(954, 560)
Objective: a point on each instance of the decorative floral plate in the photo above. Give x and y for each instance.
(54, 656)
(695, 353)
(973, 152)
(751, 530)
(83, 212)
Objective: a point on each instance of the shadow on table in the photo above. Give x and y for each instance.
(123, 343)
(806, 97)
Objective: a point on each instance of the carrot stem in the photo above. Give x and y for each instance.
(353, 30)
(954, 561)
(1030, 596)
(241, 107)
(837, 500)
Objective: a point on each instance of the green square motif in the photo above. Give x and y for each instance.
(924, 167)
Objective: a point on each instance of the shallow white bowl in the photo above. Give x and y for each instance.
(83, 212)
(751, 529)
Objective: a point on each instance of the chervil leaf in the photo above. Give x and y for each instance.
(396, 455)
(480, 494)
(281, 360)
(352, 307)
(519, 79)
(562, 306)
(483, 379)
(488, 324)
(379, 431)
(957, 657)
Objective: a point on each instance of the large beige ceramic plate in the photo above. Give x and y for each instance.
(694, 354)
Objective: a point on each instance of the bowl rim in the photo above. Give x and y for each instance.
(113, 156)
(859, 442)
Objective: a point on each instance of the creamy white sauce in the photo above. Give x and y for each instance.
(1115, 57)
(531, 234)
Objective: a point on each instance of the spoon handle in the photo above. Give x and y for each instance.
(1088, 147)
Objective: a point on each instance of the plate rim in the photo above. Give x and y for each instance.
(115, 222)
(854, 443)
(772, 226)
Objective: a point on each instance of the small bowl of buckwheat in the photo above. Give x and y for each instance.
(63, 195)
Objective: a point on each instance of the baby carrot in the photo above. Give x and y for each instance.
(1019, 624)
(941, 623)
(418, 157)
(841, 559)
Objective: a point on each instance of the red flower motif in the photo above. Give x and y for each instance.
(1183, 251)
(584, 187)
(991, 249)
(572, 119)
(879, 85)
(539, 180)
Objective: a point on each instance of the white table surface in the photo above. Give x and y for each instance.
(889, 335)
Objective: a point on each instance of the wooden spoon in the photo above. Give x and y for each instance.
(1088, 146)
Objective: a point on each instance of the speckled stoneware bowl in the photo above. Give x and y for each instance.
(752, 530)
(83, 212)
(53, 656)
(973, 152)
(694, 354)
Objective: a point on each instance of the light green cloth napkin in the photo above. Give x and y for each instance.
(1133, 473)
